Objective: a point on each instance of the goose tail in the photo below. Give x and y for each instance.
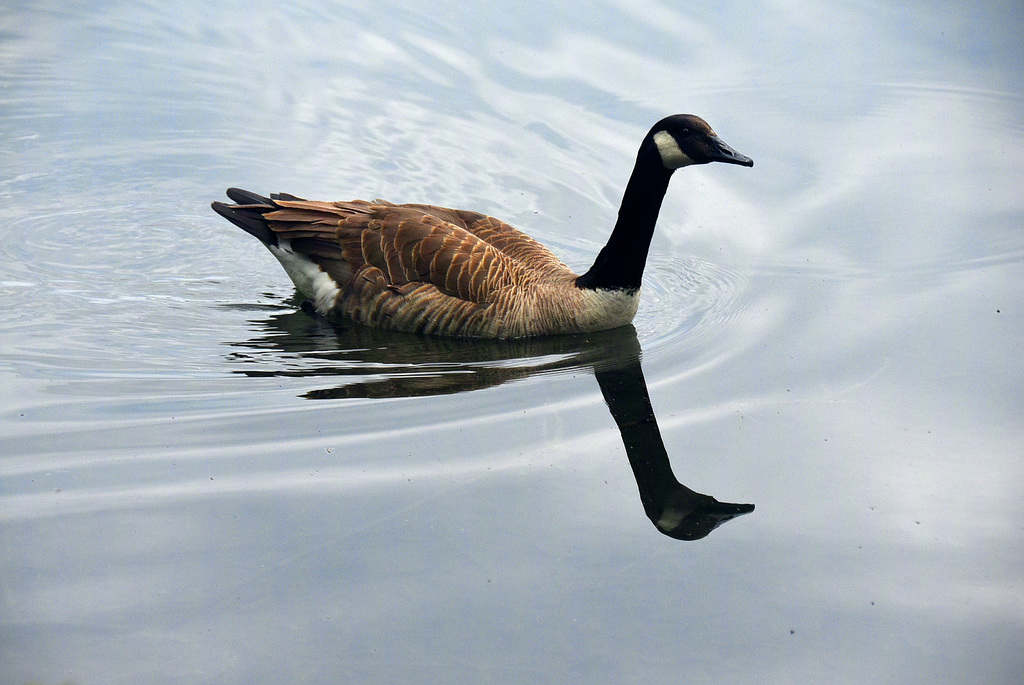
(248, 210)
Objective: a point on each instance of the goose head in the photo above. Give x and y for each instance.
(685, 139)
(672, 143)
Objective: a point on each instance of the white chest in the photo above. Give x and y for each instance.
(604, 309)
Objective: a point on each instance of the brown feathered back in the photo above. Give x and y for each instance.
(423, 268)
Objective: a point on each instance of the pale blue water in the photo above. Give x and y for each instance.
(200, 483)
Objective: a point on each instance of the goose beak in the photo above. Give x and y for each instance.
(721, 152)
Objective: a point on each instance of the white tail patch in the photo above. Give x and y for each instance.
(671, 155)
(308, 277)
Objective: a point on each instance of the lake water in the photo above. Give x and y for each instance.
(201, 483)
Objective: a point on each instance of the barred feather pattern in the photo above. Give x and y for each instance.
(433, 270)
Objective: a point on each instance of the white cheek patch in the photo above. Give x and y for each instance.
(308, 277)
(670, 519)
(671, 156)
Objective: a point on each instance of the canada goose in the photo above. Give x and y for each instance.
(425, 269)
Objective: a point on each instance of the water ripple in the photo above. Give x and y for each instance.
(686, 304)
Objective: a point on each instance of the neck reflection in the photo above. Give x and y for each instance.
(367, 363)
(675, 510)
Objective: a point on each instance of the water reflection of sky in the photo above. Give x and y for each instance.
(197, 483)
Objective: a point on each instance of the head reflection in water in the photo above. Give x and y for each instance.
(689, 515)
(366, 363)
(675, 510)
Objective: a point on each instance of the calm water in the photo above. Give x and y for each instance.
(200, 483)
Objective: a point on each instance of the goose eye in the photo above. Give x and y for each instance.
(685, 133)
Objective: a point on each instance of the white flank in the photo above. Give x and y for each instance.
(671, 156)
(308, 277)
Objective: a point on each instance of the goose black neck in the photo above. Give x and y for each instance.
(620, 264)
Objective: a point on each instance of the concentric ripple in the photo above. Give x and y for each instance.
(686, 304)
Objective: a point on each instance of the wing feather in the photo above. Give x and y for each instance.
(411, 267)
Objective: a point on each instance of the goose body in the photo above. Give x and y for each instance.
(426, 269)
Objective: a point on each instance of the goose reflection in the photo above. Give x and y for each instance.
(368, 363)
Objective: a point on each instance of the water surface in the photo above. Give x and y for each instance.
(201, 483)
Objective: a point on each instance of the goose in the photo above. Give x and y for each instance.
(432, 270)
